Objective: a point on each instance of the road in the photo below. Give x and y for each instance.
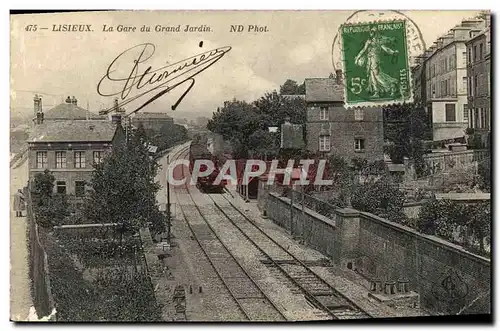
(20, 297)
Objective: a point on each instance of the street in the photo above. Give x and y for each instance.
(20, 298)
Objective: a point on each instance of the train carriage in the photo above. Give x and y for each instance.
(199, 151)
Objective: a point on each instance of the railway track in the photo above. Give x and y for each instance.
(320, 293)
(251, 300)
(301, 278)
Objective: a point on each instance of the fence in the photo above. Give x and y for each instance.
(38, 265)
(322, 207)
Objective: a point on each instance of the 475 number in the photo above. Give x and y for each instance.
(31, 28)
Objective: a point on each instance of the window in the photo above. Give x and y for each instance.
(323, 113)
(451, 115)
(433, 90)
(453, 88)
(61, 187)
(79, 159)
(470, 91)
(445, 66)
(475, 85)
(466, 113)
(359, 145)
(60, 160)
(41, 160)
(482, 114)
(475, 53)
(358, 114)
(464, 84)
(324, 143)
(480, 51)
(464, 57)
(98, 156)
(79, 188)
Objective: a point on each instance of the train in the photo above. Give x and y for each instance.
(198, 151)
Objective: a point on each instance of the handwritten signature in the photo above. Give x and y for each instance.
(155, 82)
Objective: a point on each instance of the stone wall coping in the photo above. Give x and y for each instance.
(398, 227)
(347, 212)
(434, 239)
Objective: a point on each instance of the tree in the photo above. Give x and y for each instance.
(123, 187)
(50, 209)
(443, 217)
(381, 197)
(238, 121)
(405, 127)
(167, 136)
(290, 87)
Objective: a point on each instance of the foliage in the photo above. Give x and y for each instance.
(125, 296)
(50, 209)
(113, 294)
(290, 87)
(405, 127)
(168, 136)
(44, 184)
(443, 217)
(102, 252)
(123, 186)
(245, 124)
(484, 171)
(475, 141)
(381, 197)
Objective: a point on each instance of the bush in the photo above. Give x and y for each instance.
(443, 217)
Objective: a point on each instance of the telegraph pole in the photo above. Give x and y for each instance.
(169, 215)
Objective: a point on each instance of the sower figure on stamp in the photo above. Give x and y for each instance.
(19, 205)
(369, 57)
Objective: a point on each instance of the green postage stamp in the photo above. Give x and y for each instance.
(375, 64)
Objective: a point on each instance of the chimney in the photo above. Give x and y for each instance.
(39, 118)
(116, 119)
(115, 107)
(68, 99)
(73, 100)
(37, 104)
(338, 76)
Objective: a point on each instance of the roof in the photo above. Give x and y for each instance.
(73, 131)
(150, 115)
(68, 111)
(323, 90)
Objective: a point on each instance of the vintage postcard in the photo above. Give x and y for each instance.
(242, 166)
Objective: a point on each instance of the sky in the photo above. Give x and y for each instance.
(297, 45)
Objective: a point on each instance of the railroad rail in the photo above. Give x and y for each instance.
(251, 300)
(319, 292)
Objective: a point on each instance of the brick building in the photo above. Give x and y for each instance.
(69, 148)
(446, 81)
(331, 128)
(479, 88)
(152, 121)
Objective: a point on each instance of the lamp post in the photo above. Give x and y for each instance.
(303, 201)
(165, 208)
